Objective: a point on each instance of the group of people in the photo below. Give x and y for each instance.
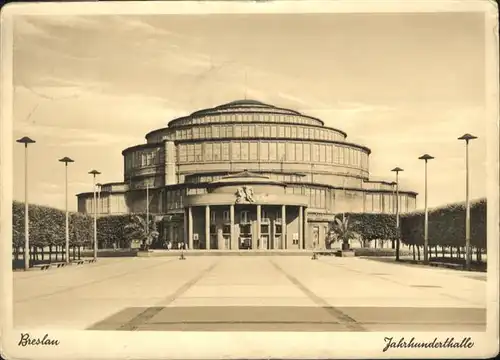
(180, 245)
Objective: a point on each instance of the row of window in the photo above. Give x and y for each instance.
(273, 151)
(332, 200)
(244, 216)
(105, 205)
(251, 117)
(143, 158)
(330, 179)
(277, 177)
(254, 130)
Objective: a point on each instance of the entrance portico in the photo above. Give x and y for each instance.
(245, 211)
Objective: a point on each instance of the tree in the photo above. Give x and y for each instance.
(134, 230)
(342, 230)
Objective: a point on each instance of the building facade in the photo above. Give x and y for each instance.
(247, 175)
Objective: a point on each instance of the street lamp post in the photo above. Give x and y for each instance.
(99, 202)
(393, 208)
(468, 254)
(397, 170)
(66, 160)
(26, 141)
(426, 158)
(94, 173)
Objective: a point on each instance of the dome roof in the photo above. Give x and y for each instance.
(244, 105)
(227, 111)
(246, 177)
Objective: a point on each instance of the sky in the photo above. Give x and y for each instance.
(403, 85)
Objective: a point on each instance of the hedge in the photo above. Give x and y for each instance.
(446, 226)
(121, 230)
(379, 252)
(373, 226)
(110, 230)
(48, 227)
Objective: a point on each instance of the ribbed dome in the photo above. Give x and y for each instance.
(244, 105)
(246, 111)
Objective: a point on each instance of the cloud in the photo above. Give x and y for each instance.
(61, 136)
(292, 98)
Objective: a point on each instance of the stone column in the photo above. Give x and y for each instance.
(301, 226)
(307, 231)
(171, 234)
(284, 231)
(231, 216)
(256, 240)
(207, 227)
(190, 227)
(186, 226)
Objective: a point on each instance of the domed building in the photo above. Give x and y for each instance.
(247, 175)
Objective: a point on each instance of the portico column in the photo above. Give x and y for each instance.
(171, 234)
(256, 240)
(231, 216)
(283, 227)
(186, 227)
(207, 227)
(190, 228)
(301, 226)
(306, 230)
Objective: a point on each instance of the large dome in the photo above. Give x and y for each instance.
(246, 107)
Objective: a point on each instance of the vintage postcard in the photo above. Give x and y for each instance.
(226, 179)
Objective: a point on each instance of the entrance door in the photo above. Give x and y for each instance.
(264, 242)
(227, 244)
(277, 242)
(315, 237)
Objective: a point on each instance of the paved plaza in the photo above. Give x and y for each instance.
(250, 293)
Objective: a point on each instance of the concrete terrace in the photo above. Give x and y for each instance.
(268, 293)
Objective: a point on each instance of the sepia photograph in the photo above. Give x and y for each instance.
(307, 179)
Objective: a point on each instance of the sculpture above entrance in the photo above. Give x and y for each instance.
(244, 194)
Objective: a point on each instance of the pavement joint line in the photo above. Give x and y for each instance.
(93, 282)
(150, 312)
(344, 319)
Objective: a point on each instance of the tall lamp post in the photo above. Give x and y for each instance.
(426, 158)
(94, 173)
(26, 141)
(393, 208)
(397, 170)
(468, 254)
(66, 160)
(99, 203)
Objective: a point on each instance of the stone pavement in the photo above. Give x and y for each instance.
(269, 293)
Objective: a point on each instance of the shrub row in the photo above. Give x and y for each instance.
(48, 228)
(379, 252)
(446, 226)
(373, 226)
